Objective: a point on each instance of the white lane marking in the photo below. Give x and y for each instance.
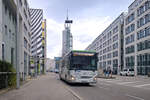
(73, 93)
(142, 85)
(100, 83)
(103, 87)
(114, 81)
(122, 83)
(135, 97)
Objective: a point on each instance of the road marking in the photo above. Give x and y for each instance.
(103, 87)
(122, 83)
(73, 93)
(114, 81)
(135, 97)
(142, 85)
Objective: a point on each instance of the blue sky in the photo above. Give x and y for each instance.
(90, 18)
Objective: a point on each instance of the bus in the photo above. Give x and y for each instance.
(79, 66)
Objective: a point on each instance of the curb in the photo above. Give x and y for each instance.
(107, 77)
(5, 90)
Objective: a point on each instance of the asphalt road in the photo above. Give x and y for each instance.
(122, 88)
(49, 87)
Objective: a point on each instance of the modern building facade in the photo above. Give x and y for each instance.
(133, 50)
(67, 41)
(57, 62)
(109, 46)
(38, 38)
(8, 34)
(137, 37)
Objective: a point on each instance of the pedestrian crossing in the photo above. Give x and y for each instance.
(145, 84)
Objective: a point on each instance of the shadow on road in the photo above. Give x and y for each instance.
(78, 84)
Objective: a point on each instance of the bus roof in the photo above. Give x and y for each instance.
(87, 51)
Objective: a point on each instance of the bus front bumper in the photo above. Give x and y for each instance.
(91, 80)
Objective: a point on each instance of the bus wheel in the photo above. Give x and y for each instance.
(60, 77)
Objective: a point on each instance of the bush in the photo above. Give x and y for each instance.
(7, 79)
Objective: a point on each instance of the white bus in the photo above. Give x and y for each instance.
(79, 67)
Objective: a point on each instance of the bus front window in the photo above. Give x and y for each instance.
(84, 63)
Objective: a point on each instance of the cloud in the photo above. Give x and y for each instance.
(84, 31)
(54, 38)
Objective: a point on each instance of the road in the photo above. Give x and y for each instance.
(49, 87)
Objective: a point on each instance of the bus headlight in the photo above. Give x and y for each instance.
(72, 78)
(95, 78)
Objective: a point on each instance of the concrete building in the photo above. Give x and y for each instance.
(8, 33)
(50, 64)
(67, 41)
(38, 38)
(57, 62)
(137, 37)
(109, 46)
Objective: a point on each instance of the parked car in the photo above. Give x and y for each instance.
(127, 72)
(56, 71)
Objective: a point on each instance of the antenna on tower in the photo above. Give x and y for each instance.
(67, 13)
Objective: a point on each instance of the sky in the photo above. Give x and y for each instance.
(90, 18)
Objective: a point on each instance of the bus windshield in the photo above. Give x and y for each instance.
(83, 63)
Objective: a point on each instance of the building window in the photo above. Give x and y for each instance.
(130, 29)
(9, 33)
(130, 18)
(109, 55)
(115, 46)
(12, 56)
(129, 39)
(140, 10)
(25, 62)
(115, 54)
(25, 43)
(6, 29)
(109, 62)
(144, 20)
(20, 1)
(115, 63)
(130, 49)
(115, 38)
(143, 8)
(115, 30)
(130, 62)
(143, 59)
(104, 57)
(143, 45)
(143, 33)
(3, 52)
(5, 9)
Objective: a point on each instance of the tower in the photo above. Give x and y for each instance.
(67, 41)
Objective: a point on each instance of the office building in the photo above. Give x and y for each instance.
(12, 48)
(137, 37)
(38, 38)
(109, 46)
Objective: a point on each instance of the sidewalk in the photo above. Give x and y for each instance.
(139, 77)
(46, 87)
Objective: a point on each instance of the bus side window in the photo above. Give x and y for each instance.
(93, 62)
